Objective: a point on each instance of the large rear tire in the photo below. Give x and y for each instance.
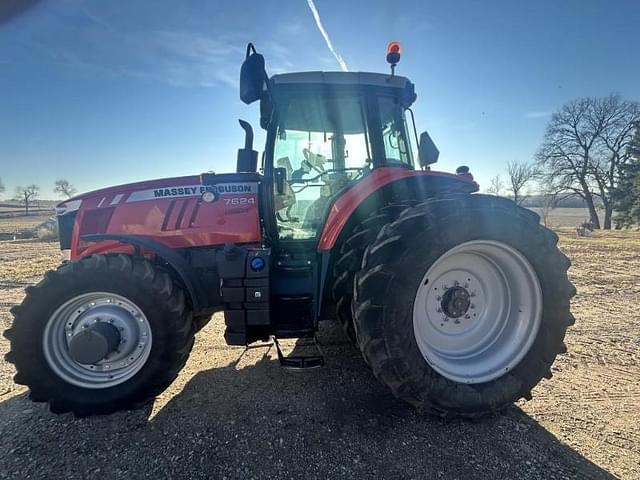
(129, 307)
(462, 305)
(350, 260)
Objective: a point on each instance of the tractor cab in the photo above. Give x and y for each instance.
(326, 131)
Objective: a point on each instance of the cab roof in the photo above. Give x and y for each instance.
(342, 78)
(395, 84)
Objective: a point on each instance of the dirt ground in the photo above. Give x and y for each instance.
(237, 414)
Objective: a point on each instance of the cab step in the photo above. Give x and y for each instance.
(296, 361)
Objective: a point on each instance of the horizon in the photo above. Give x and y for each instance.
(105, 94)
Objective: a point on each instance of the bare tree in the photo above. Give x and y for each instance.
(64, 188)
(1, 186)
(565, 154)
(520, 174)
(496, 186)
(27, 195)
(548, 202)
(614, 151)
(584, 150)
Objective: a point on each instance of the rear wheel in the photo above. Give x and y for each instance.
(350, 260)
(99, 335)
(462, 304)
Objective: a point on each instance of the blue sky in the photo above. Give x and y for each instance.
(104, 93)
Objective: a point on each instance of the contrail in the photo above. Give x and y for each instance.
(316, 16)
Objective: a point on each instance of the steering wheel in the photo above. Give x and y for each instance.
(316, 160)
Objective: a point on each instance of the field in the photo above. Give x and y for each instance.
(15, 209)
(237, 414)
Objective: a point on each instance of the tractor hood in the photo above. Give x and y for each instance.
(118, 193)
(178, 212)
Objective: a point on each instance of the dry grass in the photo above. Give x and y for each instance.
(11, 224)
(26, 260)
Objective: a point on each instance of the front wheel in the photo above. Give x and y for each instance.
(102, 334)
(462, 304)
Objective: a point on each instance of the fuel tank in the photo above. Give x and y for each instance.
(180, 212)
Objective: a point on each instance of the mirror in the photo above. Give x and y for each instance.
(253, 77)
(428, 153)
(280, 175)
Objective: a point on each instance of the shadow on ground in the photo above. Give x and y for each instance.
(259, 421)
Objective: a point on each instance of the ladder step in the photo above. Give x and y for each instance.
(301, 362)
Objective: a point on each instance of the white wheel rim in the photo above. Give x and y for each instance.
(501, 320)
(79, 312)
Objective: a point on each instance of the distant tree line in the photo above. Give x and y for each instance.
(28, 195)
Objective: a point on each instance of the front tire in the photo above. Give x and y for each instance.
(138, 309)
(450, 352)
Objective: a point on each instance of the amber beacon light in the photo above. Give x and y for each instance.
(393, 54)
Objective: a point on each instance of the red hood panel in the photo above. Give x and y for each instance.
(171, 211)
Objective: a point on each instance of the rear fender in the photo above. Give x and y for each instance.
(383, 186)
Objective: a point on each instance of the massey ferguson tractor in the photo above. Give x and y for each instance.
(459, 302)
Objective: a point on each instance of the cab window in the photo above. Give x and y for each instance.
(322, 142)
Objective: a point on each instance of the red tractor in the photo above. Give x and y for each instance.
(459, 302)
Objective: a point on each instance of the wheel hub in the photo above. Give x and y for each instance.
(97, 340)
(455, 302)
(94, 343)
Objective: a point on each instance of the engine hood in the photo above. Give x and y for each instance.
(110, 193)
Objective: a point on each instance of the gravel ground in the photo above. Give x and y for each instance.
(236, 414)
